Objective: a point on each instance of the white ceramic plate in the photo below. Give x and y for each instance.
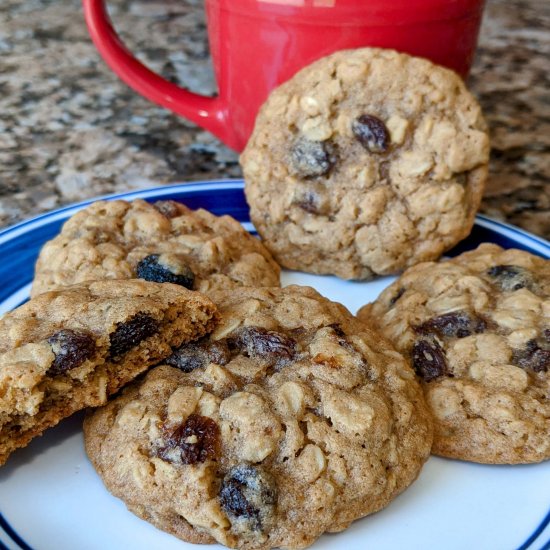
(52, 499)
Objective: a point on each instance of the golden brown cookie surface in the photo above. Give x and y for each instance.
(477, 330)
(161, 242)
(364, 163)
(292, 419)
(70, 349)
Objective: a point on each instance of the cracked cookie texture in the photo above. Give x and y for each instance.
(161, 242)
(364, 163)
(291, 419)
(477, 330)
(70, 349)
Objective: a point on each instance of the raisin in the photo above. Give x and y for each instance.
(196, 440)
(341, 337)
(372, 133)
(337, 328)
(169, 209)
(309, 203)
(218, 352)
(457, 324)
(396, 296)
(511, 277)
(311, 158)
(129, 334)
(266, 344)
(150, 269)
(533, 357)
(429, 360)
(248, 497)
(199, 354)
(71, 348)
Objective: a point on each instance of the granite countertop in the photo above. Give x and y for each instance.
(70, 130)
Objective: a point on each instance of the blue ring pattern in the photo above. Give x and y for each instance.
(536, 533)
(13, 535)
(20, 246)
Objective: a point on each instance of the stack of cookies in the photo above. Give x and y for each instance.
(261, 417)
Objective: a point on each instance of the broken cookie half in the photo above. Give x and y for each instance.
(70, 349)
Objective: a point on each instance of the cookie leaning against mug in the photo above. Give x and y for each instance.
(364, 163)
(67, 350)
(160, 242)
(292, 419)
(477, 329)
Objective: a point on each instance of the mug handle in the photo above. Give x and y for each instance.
(208, 112)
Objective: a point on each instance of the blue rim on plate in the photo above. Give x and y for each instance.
(21, 243)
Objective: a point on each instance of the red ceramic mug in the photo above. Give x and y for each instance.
(257, 44)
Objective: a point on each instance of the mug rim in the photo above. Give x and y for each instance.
(379, 12)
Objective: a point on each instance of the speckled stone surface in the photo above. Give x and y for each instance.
(70, 130)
